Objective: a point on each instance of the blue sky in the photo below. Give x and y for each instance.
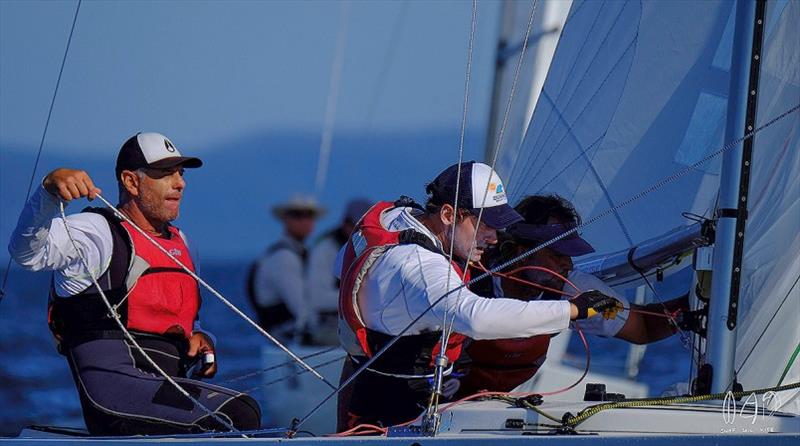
(243, 84)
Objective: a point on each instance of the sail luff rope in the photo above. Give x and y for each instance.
(130, 337)
(44, 133)
(216, 293)
(333, 96)
(645, 192)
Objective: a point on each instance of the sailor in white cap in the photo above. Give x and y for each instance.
(396, 265)
(157, 301)
(276, 282)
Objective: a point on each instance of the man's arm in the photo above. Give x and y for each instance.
(40, 241)
(630, 326)
(646, 328)
(476, 316)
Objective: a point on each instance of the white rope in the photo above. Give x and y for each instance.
(128, 335)
(333, 96)
(215, 292)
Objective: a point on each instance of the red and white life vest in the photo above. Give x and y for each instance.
(410, 354)
(164, 298)
(151, 293)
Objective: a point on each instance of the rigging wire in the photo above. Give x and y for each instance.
(439, 370)
(130, 337)
(274, 367)
(295, 374)
(448, 329)
(388, 57)
(44, 133)
(333, 96)
(687, 343)
(216, 293)
(643, 193)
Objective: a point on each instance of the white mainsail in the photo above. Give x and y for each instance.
(769, 324)
(638, 91)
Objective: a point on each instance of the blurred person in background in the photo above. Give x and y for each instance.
(276, 281)
(323, 286)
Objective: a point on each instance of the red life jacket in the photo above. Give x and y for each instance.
(500, 365)
(165, 298)
(151, 292)
(411, 354)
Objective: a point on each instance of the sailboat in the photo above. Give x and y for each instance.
(652, 112)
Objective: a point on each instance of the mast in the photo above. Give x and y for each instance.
(506, 21)
(734, 185)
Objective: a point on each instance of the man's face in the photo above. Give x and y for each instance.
(552, 260)
(467, 236)
(160, 193)
(299, 224)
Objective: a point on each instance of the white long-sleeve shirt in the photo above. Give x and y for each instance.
(585, 282)
(407, 279)
(40, 242)
(280, 277)
(322, 287)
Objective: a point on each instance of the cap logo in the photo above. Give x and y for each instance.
(496, 187)
(168, 145)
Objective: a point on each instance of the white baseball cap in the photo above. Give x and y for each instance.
(480, 188)
(152, 150)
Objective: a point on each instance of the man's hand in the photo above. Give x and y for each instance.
(70, 184)
(200, 343)
(592, 302)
